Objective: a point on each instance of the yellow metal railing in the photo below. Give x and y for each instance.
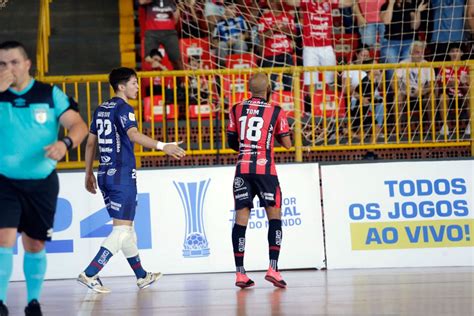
(44, 31)
(408, 120)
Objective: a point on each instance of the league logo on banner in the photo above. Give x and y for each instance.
(192, 196)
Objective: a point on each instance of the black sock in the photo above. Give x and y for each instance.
(238, 242)
(274, 241)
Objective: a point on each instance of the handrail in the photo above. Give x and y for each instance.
(44, 31)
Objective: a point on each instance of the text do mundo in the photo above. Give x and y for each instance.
(290, 216)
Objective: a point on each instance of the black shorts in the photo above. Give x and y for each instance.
(247, 186)
(29, 205)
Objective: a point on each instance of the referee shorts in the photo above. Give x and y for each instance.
(29, 205)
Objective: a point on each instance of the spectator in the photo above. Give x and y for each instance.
(277, 28)
(456, 80)
(368, 18)
(160, 23)
(347, 11)
(470, 17)
(230, 34)
(155, 59)
(190, 26)
(448, 26)
(414, 83)
(402, 19)
(354, 80)
(361, 123)
(214, 10)
(317, 38)
(198, 89)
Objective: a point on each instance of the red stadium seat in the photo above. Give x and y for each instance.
(286, 101)
(196, 47)
(204, 110)
(345, 46)
(241, 61)
(157, 109)
(330, 103)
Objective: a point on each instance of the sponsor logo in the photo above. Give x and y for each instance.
(262, 162)
(115, 206)
(242, 244)
(238, 182)
(195, 240)
(131, 117)
(278, 237)
(103, 258)
(105, 150)
(111, 172)
(268, 196)
(49, 233)
(41, 115)
(242, 196)
(105, 159)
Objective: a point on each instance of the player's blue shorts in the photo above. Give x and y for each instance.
(120, 200)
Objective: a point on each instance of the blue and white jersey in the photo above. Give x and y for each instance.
(232, 27)
(29, 121)
(111, 121)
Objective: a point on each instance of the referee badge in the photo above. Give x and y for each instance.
(41, 115)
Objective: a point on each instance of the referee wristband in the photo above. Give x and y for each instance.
(67, 141)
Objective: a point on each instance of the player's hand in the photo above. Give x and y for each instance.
(91, 183)
(56, 151)
(174, 150)
(6, 79)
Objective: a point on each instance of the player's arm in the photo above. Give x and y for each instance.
(284, 140)
(90, 183)
(171, 149)
(283, 130)
(232, 134)
(77, 131)
(233, 140)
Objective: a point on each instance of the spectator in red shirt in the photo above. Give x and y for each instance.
(160, 25)
(317, 38)
(277, 28)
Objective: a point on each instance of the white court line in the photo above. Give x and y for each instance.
(88, 302)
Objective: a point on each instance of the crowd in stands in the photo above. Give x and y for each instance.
(199, 34)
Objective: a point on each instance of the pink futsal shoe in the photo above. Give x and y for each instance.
(243, 281)
(275, 278)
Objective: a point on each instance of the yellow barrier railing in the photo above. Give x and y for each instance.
(336, 117)
(42, 45)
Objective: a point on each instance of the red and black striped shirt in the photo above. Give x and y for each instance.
(256, 122)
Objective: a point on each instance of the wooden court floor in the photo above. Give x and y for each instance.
(411, 291)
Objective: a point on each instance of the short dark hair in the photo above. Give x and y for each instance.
(156, 52)
(14, 44)
(120, 76)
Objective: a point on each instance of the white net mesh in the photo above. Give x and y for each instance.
(412, 103)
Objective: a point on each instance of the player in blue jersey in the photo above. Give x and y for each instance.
(114, 128)
(30, 115)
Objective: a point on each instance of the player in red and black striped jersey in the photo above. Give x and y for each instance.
(254, 124)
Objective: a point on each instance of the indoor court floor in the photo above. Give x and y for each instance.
(410, 291)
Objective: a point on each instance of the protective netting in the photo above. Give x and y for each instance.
(339, 105)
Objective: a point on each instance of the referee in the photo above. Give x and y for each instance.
(30, 114)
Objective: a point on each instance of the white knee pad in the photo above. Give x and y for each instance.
(129, 245)
(115, 241)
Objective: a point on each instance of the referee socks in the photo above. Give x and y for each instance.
(6, 266)
(34, 267)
